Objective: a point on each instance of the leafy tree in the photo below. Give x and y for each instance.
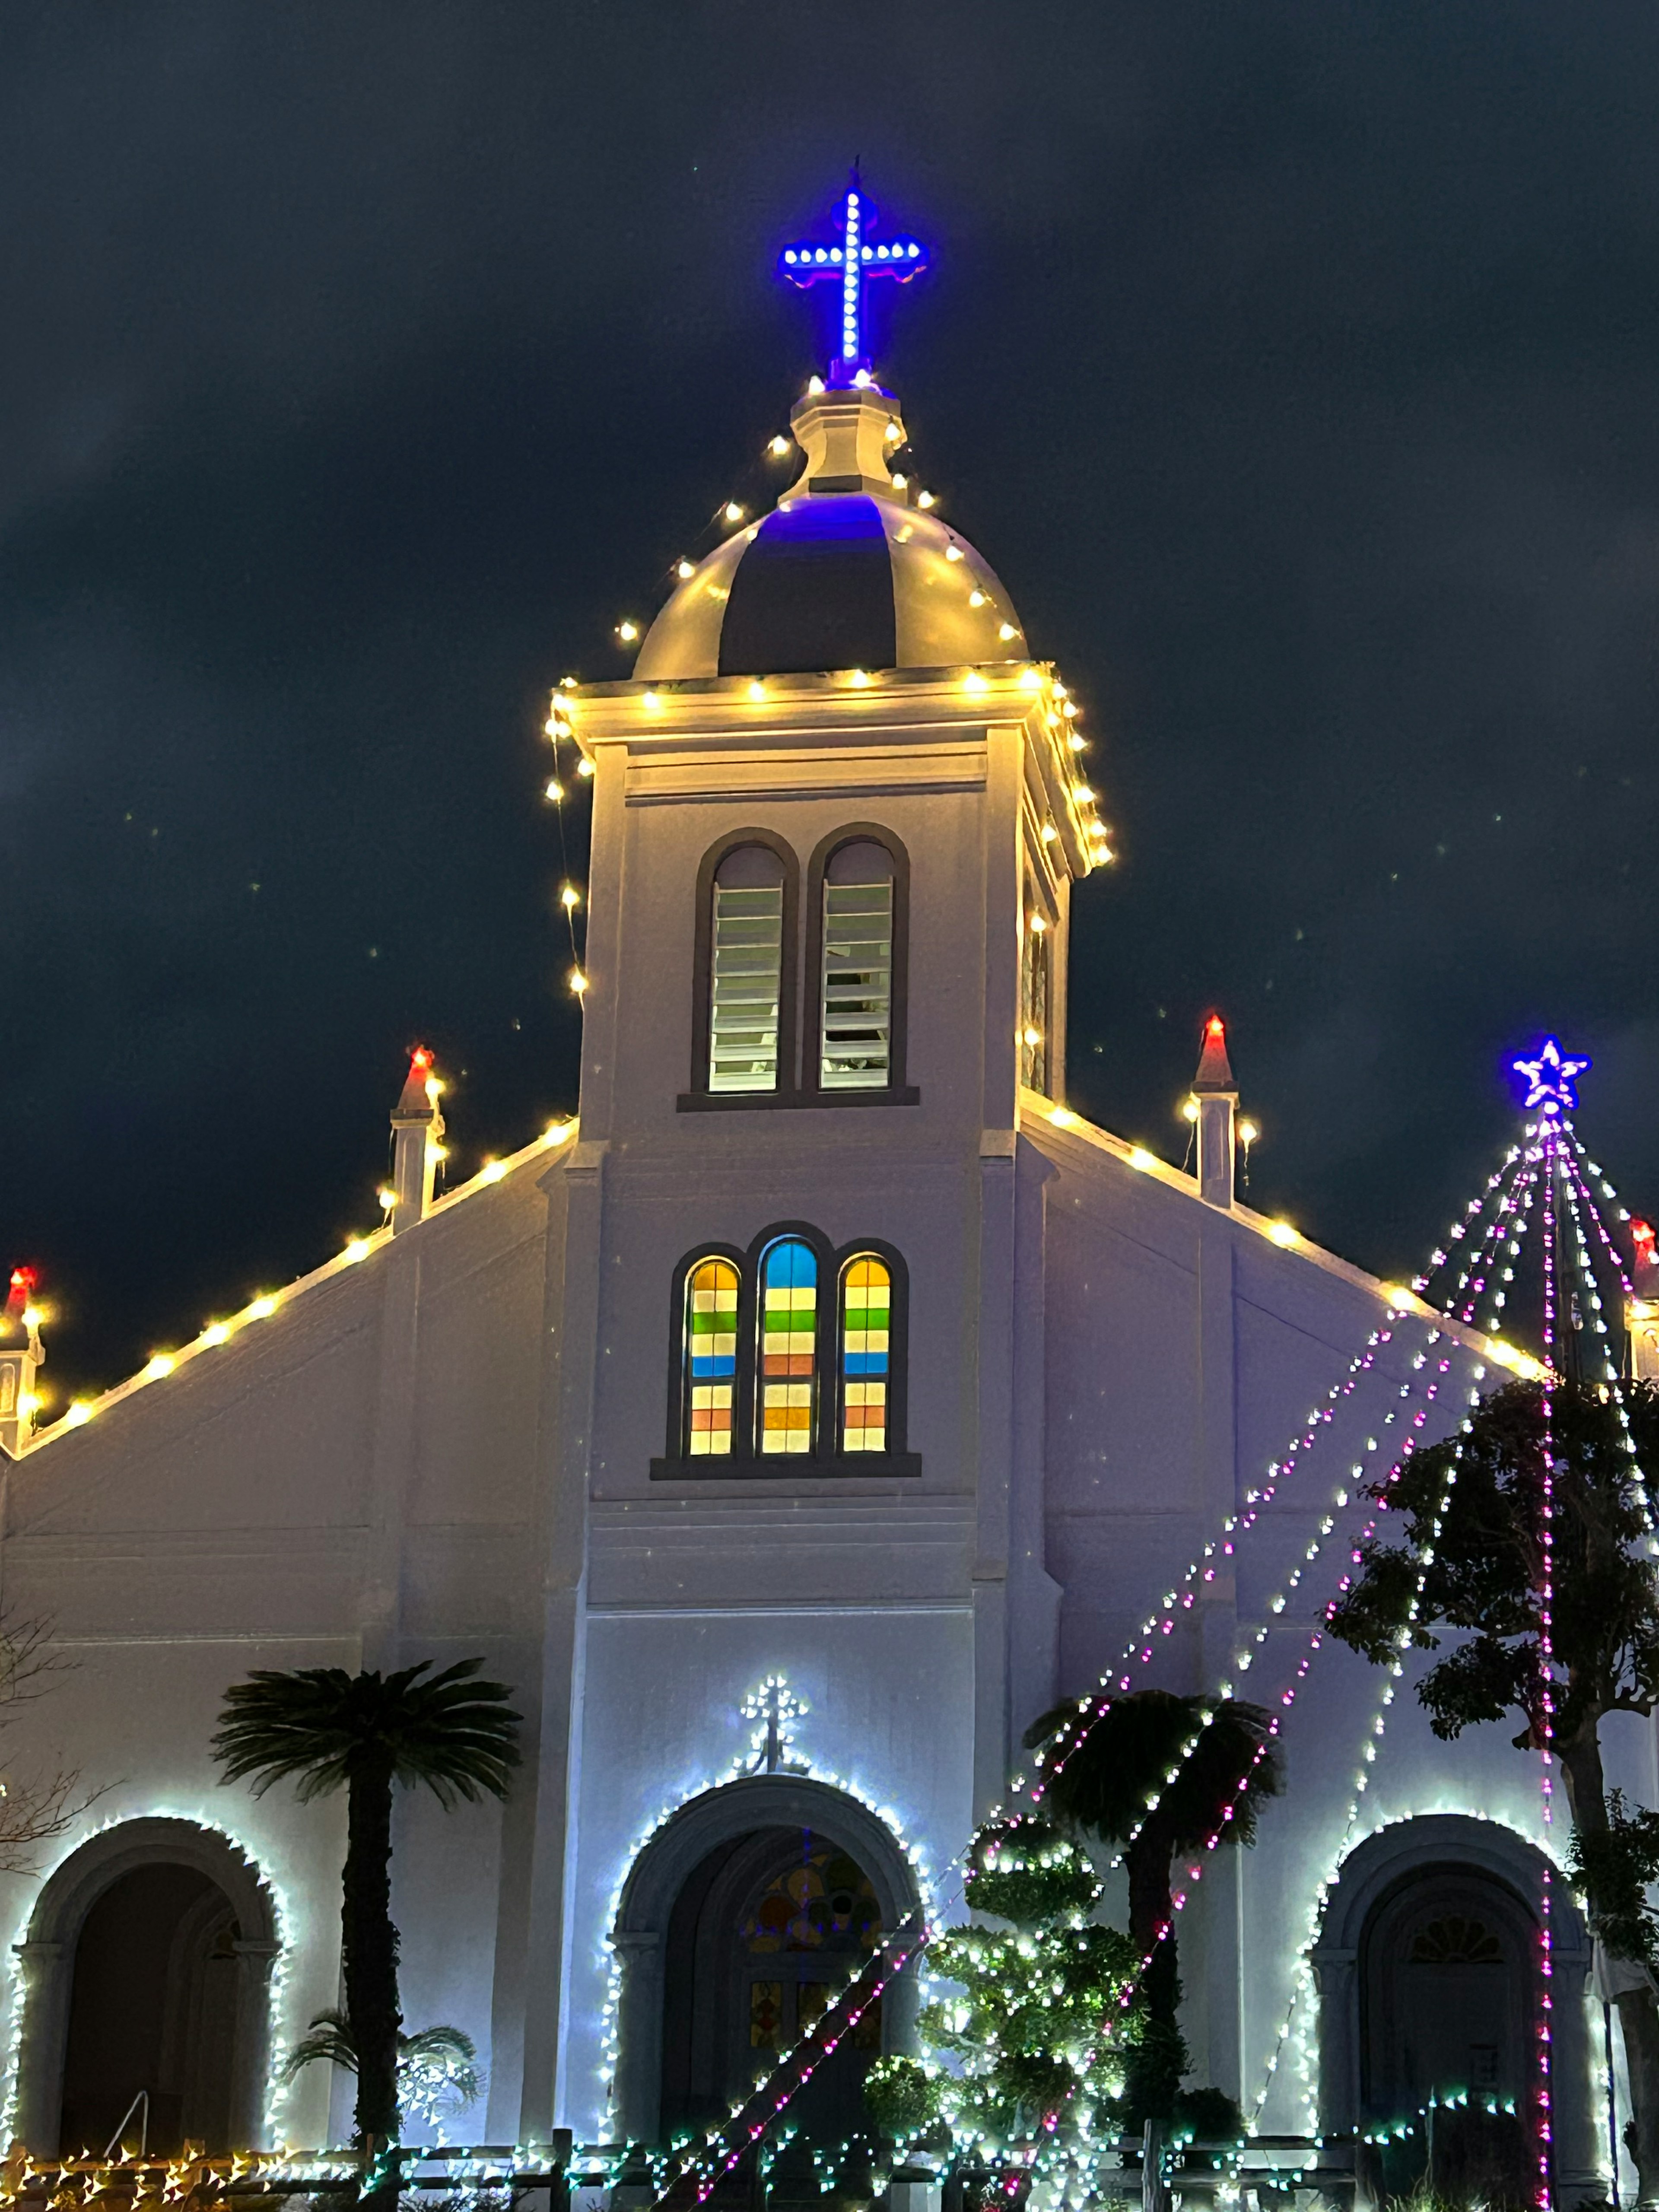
(437, 2067)
(1041, 2028)
(1482, 1579)
(364, 1733)
(1100, 1762)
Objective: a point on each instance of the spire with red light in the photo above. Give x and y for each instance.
(418, 1128)
(1215, 1095)
(21, 1356)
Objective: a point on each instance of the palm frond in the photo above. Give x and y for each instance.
(455, 1734)
(1101, 1761)
(329, 2037)
(436, 2066)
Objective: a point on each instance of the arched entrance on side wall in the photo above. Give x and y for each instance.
(147, 1966)
(738, 1922)
(1427, 1972)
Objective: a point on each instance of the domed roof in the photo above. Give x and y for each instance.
(844, 573)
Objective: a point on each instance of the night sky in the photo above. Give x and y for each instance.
(1297, 366)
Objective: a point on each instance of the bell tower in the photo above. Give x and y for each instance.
(839, 810)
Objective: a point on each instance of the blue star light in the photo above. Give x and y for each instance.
(1550, 1078)
(848, 262)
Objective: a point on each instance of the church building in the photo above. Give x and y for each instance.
(821, 1405)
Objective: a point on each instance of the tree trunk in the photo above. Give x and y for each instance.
(1156, 2065)
(1638, 2012)
(368, 1944)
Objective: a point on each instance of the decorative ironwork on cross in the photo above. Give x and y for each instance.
(1549, 1078)
(774, 1705)
(848, 262)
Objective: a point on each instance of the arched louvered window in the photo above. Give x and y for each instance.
(711, 1358)
(855, 1024)
(788, 1379)
(746, 971)
(867, 1298)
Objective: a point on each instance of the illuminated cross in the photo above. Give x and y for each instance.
(774, 1705)
(1550, 1078)
(847, 263)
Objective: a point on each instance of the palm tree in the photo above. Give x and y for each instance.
(363, 1733)
(437, 2067)
(1099, 1762)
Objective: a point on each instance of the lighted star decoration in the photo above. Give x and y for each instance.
(1550, 1078)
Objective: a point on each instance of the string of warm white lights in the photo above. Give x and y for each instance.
(162, 1365)
(557, 729)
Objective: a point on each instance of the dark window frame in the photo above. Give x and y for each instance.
(700, 1096)
(826, 1459)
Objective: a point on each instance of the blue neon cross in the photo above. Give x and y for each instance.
(848, 262)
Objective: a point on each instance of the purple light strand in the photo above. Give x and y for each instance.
(1551, 1136)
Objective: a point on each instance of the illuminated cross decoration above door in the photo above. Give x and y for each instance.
(847, 262)
(774, 1706)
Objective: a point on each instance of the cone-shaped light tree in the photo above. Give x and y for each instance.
(1477, 1540)
(365, 1734)
(1100, 1762)
(1047, 2010)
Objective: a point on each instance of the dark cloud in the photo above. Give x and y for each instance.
(1295, 364)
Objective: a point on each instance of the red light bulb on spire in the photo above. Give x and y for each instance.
(1642, 1237)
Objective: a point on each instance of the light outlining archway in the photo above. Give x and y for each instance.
(678, 1848)
(46, 1962)
(1382, 1868)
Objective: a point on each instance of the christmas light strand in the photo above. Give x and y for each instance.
(1553, 1178)
(1518, 1199)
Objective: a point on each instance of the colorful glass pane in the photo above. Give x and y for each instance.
(711, 1357)
(824, 1902)
(765, 2014)
(865, 1353)
(789, 1321)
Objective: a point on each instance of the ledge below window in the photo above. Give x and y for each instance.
(722, 1102)
(721, 1468)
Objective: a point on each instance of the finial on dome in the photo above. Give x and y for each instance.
(847, 263)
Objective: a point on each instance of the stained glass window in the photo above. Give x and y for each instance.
(711, 1357)
(856, 1050)
(823, 1902)
(765, 2014)
(747, 966)
(788, 1362)
(867, 1291)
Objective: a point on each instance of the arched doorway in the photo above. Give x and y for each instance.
(763, 1934)
(739, 1921)
(147, 1967)
(1427, 1968)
